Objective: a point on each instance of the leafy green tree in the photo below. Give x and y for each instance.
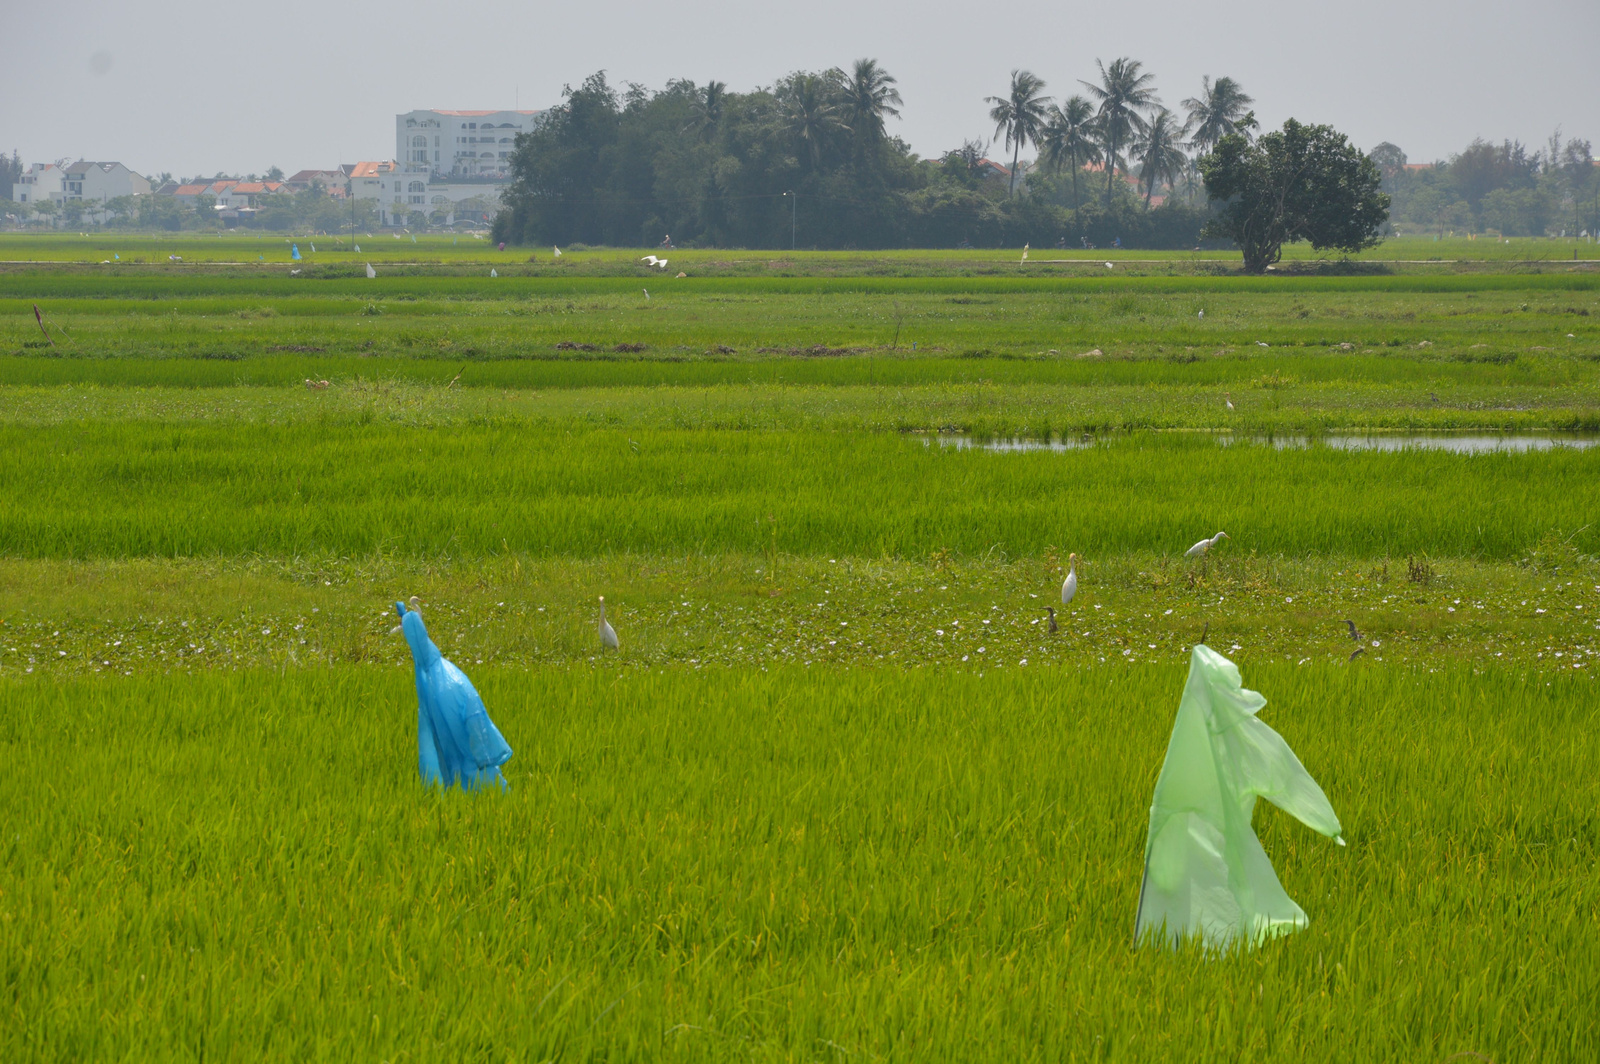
(1518, 212)
(1484, 167)
(1123, 93)
(1071, 139)
(10, 173)
(1020, 115)
(1300, 183)
(1221, 109)
(121, 212)
(160, 212)
(1390, 161)
(1156, 148)
(273, 174)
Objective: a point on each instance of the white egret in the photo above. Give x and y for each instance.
(1199, 549)
(647, 293)
(494, 273)
(556, 250)
(1226, 399)
(649, 260)
(1024, 253)
(1069, 586)
(371, 273)
(661, 264)
(1202, 315)
(608, 634)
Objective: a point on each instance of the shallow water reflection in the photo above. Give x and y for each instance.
(1456, 444)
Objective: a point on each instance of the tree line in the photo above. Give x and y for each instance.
(1502, 188)
(811, 160)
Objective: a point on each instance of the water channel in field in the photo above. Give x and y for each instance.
(1463, 444)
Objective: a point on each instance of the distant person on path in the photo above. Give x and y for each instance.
(456, 740)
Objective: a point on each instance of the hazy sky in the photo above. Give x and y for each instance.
(312, 83)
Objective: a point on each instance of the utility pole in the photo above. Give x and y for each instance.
(793, 200)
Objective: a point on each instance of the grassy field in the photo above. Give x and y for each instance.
(842, 794)
(783, 865)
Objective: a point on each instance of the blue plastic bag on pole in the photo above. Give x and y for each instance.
(1205, 873)
(456, 740)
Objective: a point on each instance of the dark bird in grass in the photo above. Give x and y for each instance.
(1356, 636)
(1054, 627)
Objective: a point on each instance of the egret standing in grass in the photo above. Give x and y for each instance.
(1199, 550)
(1227, 397)
(1069, 586)
(608, 634)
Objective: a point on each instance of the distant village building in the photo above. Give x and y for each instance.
(333, 182)
(459, 143)
(91, 183)
(449, 167)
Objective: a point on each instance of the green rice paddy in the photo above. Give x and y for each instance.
(842, 794)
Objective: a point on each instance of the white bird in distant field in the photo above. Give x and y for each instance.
(1109, 266)
(661, 264)
(494, 273)
(1199, 549)
(1069, 586)
(1024, 253)
(358, 249)
(294, 273)
(1202, 315)
(647, 294)
(556, 250)
(370, 271)
(649, 260)
(1226, 399)
(608, 634)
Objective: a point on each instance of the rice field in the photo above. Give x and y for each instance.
(842, 794)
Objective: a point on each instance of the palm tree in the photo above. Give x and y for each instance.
(706, 107)
(1157, 149)
(1020, 115)
(869, 96)
(811, 114)
(1070, 138)
(1123, 92)
(1221, 108)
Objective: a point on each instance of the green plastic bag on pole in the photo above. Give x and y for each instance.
(1205, 873)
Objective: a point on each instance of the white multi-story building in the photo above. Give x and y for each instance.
(459, 143)
(40, 183)
(91, 184)
(449, 167)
